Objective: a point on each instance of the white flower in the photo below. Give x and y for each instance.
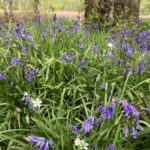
(86, 146)
(36, 103)
(26, 94)
(77, 142)
(81, 144)
(110, 45)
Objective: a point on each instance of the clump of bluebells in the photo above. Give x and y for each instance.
(129, 119)
(71, 72)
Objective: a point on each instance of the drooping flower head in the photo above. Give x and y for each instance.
(26, 98)
(40, 142)
(108, 112)
(87, 124)
(2, 76)
(141, 64)
(110, 147)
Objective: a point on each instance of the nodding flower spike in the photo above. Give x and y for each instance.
(40, 142)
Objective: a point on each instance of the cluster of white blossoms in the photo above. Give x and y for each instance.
(81, 144)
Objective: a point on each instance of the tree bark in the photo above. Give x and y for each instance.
(36, 8)
(126, 9)
(105, 7)
(10, 9)
(91, 9)
(98, 10)
(6, 10)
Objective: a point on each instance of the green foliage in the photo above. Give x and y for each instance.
(69, 93)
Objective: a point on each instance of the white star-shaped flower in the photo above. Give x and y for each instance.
(36, 103)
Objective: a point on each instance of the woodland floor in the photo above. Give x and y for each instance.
(28, 14)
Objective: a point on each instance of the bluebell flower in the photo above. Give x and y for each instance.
(32, 107)
(108, 112)
(127, 70)
(53, 37)
(16, 61)
(110, 147)
(137, 39)
(32, 71)
(136, 21)
(126, 131)
(97, 122)
(134, 132)
(141, 64)
(81, 46)
(127, 64)
(2, 76)
(134, 110)
(143, 34)
(21, 23)
(140, 127)
(148, 109)
(130, 110)
(28, 77)
(94, 48)
(134, 71)
(87, 124)
(59, 28)
(68, 57)
(25, 49)
(82, 62)
(101, 108)
(103, 86)
(115, 35)
(116, 100)
(43, 35)
(129, 52)
(75, 27)
(5, 42)
(40, 142)
(89, 29)
(18, 32)
(126, 107)
(54, 18)
(75, 128)
(26, 98)
(119, 62)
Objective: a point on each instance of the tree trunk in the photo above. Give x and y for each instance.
(8, 10)
(105, 7)
(126, 9)
(91, 9)
(98, 10)
(36, 8)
